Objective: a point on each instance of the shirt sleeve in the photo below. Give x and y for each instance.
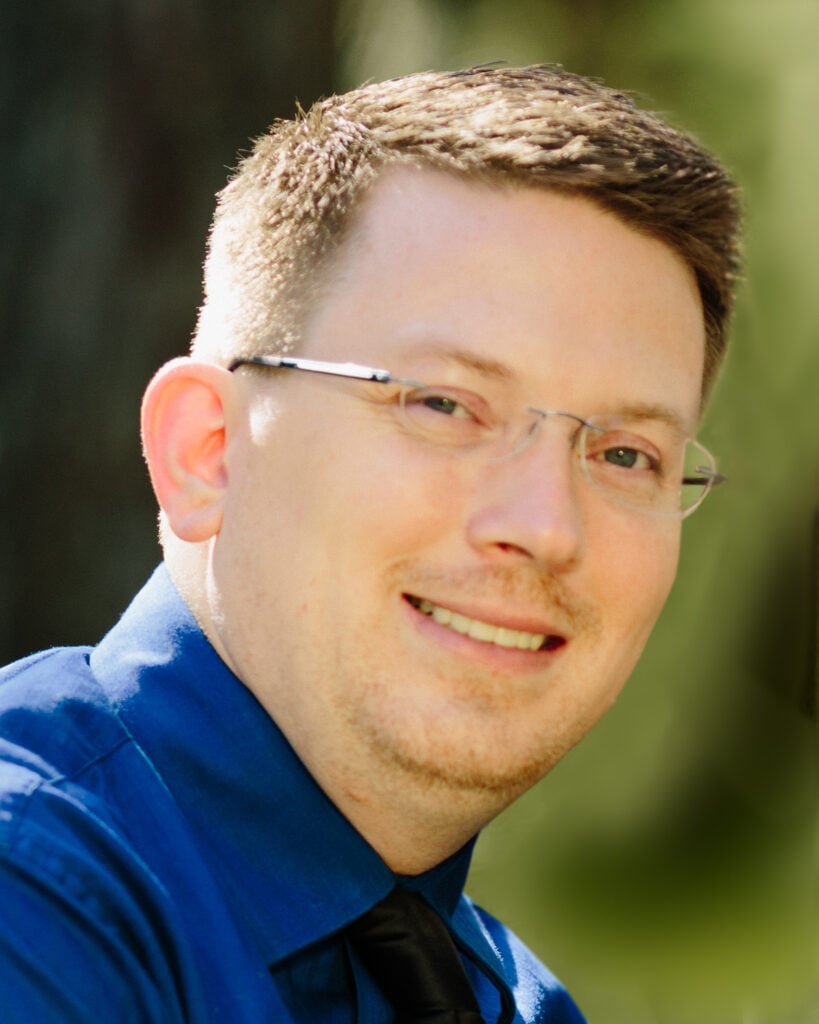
(80, 927)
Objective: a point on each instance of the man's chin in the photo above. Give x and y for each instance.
(444, 765)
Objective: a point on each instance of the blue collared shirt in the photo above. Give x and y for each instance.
(166, 857)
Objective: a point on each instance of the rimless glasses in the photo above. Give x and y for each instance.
(641, 461)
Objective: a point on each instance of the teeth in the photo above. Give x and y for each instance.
(515, 638)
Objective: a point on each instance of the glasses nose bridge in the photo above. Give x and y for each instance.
(522, 432)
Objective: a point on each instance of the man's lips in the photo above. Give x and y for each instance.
(486, 632)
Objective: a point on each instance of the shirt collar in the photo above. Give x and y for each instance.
(290, 863)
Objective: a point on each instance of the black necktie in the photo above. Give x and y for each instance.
(410, 954)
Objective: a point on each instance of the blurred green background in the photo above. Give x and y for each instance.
(668, 870)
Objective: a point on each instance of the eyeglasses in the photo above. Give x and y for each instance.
(638, 461)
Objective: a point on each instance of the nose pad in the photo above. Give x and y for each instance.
(519, 438)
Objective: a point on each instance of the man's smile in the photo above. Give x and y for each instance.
(486, 631)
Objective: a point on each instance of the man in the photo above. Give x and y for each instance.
(422, 481)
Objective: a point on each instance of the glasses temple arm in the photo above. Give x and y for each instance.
(707, 476)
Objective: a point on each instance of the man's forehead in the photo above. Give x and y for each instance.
(424, 197)
(483, 277)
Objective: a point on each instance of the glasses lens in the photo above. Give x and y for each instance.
(640, 463)
(699, 471)
(646, 465)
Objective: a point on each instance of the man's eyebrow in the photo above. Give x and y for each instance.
(464, 357)
(489, 367)
(652, 411)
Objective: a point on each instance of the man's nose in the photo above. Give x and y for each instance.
(526, 505)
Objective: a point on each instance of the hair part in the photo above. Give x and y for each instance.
(290, 204)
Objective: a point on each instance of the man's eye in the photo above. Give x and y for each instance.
(449, 403)
(623, 457)
(444, 404)
(616, 450)
(452, 418)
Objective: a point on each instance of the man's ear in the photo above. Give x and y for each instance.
(184, 424)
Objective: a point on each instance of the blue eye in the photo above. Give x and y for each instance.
(626, 452)
(626, 458)
(450, 417)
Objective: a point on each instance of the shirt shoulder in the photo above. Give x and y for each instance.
(110, 898)
(86, 928)
(54, 714)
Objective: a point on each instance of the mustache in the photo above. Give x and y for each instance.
(518, 586)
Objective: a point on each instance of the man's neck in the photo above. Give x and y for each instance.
(412, 825)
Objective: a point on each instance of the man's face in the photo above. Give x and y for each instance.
(346, 541)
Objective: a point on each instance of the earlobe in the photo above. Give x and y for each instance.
(184, 424)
